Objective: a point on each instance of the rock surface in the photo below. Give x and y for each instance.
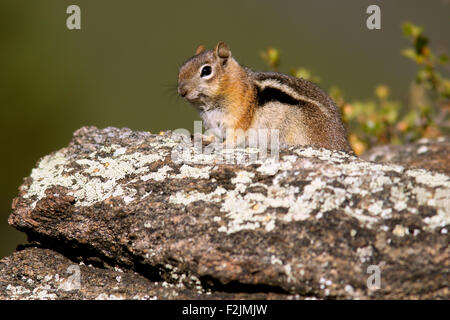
(36, 273)
(431, 154)
(315, 224)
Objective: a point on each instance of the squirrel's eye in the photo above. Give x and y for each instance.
(206, 71)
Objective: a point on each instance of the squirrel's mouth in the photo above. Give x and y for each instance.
(194, 98)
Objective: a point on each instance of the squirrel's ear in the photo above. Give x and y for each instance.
(200, 49)
(222, 51)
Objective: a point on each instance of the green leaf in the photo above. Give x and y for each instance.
(407, 29)
(420, 43)
(410, 29)
(422, 75)
(272, 57)
(409, 53)
(382, 92)
(443, 58)
(392, 114)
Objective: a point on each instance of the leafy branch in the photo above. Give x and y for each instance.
(381, 120)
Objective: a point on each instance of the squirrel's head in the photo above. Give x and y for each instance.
(202, 77)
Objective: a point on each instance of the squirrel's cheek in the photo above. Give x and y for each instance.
(214, 88)
(205, 89)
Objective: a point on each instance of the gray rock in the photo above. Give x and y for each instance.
(317, 223)
(430, 154)
(42, 274)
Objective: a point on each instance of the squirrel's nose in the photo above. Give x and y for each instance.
(182, 90)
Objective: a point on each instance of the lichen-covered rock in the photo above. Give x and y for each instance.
(431, 154)
(315, 223)
(42, 274)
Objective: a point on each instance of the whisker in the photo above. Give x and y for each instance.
(171, 90)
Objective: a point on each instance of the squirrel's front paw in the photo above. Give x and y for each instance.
(209, 139)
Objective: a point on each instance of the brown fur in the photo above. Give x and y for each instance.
(240, 97)
(302, 112)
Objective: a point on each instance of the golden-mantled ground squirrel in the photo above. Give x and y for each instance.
(230, 96)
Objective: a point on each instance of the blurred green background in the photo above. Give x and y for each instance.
(120, 69)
